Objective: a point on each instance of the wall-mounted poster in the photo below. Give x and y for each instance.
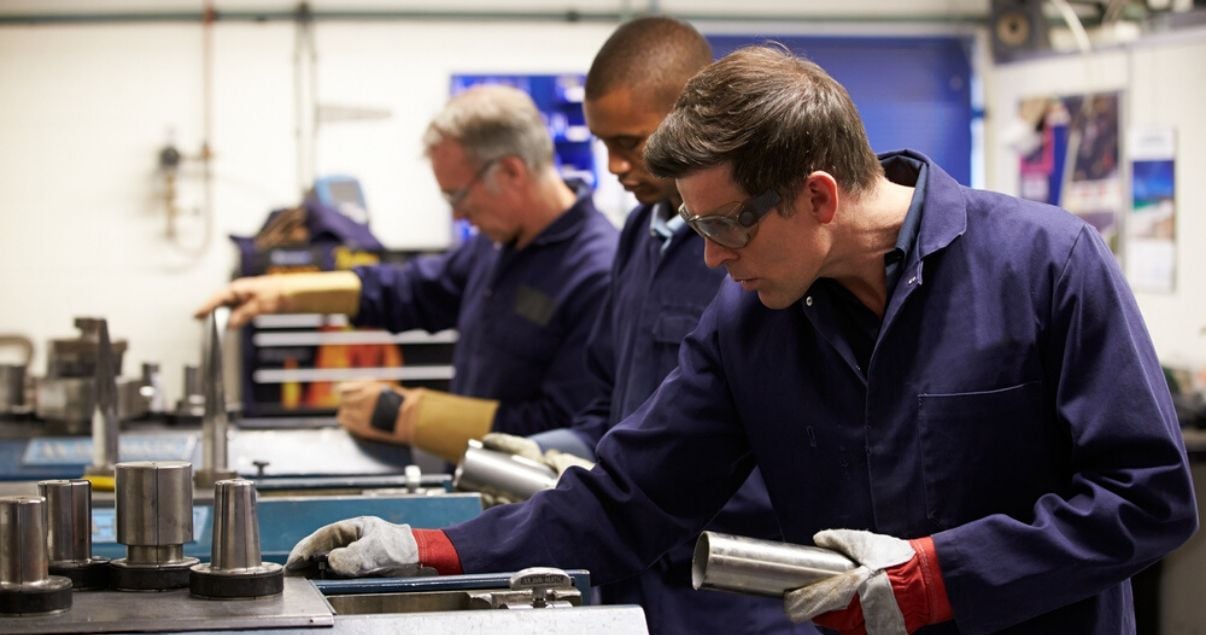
(1151, 245)
(1074, 162)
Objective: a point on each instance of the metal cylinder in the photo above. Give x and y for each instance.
(501, 474)
(762, 567)
(69, 533)
(236, 527)
(26, 586)
(154, 505)
(68, 519)
(236, 569)
(23, 540)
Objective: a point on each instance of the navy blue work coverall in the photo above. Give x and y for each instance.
(523, 316)
(657, 295)
(1013, 408)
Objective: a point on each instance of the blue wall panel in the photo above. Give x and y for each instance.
(911, 92)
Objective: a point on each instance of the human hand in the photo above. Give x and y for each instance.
(330, 292)
(556, 460)
(375, 410)
(357, 547)
(897, 587)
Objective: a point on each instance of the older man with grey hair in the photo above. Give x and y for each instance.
(522, 293)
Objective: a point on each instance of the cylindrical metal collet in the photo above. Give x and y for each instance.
(154, 520)
(26, 587)
(761, 567)
(69, 533)
(236, 570)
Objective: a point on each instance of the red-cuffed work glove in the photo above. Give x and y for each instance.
(897, 587)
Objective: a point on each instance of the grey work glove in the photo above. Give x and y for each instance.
(873, 553)
(361, 546)
(557, 461)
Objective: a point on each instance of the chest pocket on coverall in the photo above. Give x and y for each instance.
(983, 453)
(670, 328)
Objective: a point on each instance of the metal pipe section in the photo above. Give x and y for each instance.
(22, 541)
(154, 507)
(214, 421)
(68, 519)
(501, 474)
(236, 526)
(761, 567)
(105, 424)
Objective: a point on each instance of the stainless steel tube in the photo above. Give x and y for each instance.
(23, 541)
(236, 527)
(501, 474)
(762, 567)
(154, 503)
(68, 519)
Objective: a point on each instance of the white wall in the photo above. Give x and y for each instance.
(1163, 84)
(85, 109)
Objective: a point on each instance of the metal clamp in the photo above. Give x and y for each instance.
(532, 588)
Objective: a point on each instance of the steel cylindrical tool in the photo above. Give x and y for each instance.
(236, 569)
(25, 583)
(762, 567)
(69, 533)
(501, 474)
(154, 520)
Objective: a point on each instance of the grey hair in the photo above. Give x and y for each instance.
(492, 122)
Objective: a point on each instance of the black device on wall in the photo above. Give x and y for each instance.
(1017, 28)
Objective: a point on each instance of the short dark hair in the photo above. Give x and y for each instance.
(653, 56)
(773, 117)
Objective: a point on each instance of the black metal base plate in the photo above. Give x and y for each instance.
(85, 576)
(208, 583)
(32, 600)
(161, 577)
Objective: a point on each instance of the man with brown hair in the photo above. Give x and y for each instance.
(952, 387)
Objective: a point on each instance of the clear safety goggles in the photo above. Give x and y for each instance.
(732, 225)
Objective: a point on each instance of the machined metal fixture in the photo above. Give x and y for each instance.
(105, 430)
(26, 587)
(69, 533)
(761, 567)
(237, 569)
(154, 520)
(498, 473)
(214, 422)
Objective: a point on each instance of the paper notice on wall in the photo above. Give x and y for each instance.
(1151, 239)
(1070, 157)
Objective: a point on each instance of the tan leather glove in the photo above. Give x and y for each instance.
(431, 420)
(371, 410)
(328, 292)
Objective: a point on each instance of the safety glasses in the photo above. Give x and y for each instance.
(732, 225)
(456, 197)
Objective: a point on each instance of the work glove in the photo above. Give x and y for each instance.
(431, 420)
(358, 547)
(556, 460)
(330, 292)
(373, 410)
(897, 587)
